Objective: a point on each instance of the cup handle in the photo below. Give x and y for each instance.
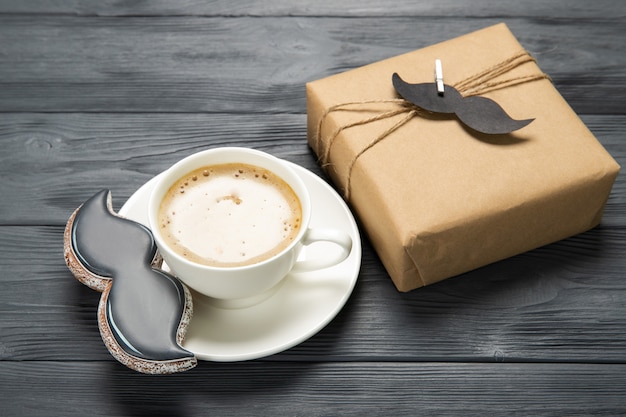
(340, 238)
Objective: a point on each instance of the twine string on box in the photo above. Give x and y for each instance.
(479, 83)
(482, 83)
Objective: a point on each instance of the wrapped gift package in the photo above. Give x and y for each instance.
(438, 198)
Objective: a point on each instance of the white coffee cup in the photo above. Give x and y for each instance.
(233, 283)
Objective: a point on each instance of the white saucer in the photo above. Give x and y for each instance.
(302, 306)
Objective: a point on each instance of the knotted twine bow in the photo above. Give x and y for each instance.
(477, 84)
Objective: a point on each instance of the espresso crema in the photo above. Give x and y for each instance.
(230, 215)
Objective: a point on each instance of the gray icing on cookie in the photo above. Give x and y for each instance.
(145, 305)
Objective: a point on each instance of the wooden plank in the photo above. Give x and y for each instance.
(563, 302)
(198, 64)
(362, 8)
(402, 389)
(51, 163)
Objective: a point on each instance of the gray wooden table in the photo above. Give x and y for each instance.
(106, 94)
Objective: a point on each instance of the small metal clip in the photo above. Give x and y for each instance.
(439, 77)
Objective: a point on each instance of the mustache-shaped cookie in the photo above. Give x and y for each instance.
(479, 113)
(143, 312)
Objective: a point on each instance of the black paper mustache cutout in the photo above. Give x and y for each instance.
(479, 113)
(144, 306)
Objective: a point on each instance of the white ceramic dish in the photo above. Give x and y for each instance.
(302, 306)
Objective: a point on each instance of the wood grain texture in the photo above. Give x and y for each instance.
(352, 8)
(52, 163)
(402, 389)
(260, 65)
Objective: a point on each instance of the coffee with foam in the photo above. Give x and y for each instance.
(230, 215)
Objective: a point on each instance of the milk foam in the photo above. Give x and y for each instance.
(230, 215)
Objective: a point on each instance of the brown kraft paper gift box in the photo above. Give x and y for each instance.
(438, 199)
